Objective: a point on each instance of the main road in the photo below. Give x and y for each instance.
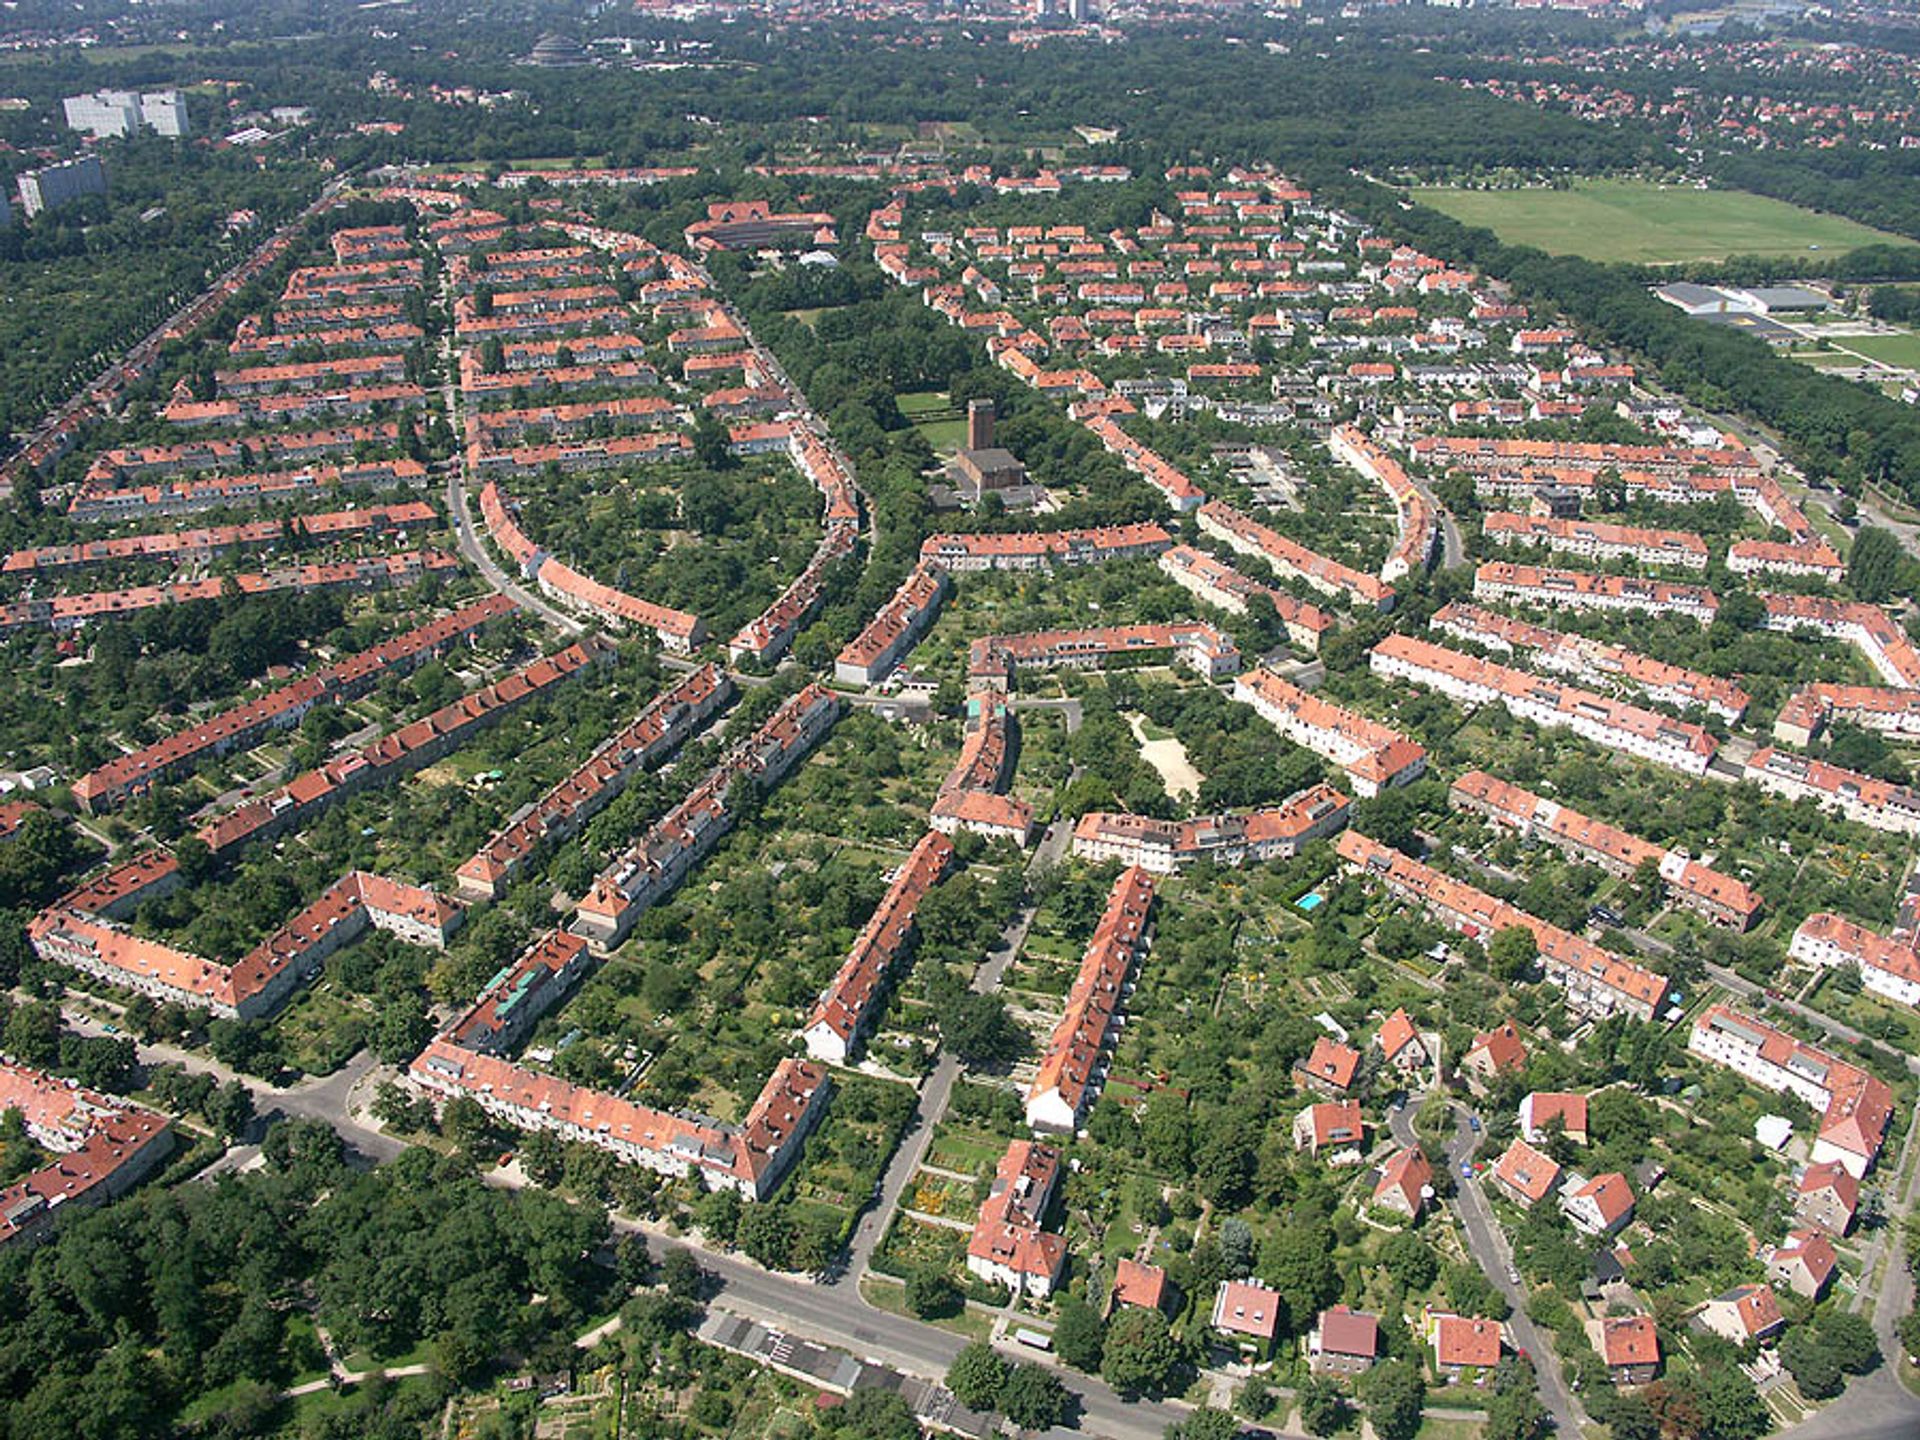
(835, 1315)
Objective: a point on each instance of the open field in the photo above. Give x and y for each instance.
(1902, 350)
(1639, 222)
(932, 415)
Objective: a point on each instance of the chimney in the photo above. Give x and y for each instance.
(980, 424)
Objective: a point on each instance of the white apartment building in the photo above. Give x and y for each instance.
(1888, 968)
(1675, 744)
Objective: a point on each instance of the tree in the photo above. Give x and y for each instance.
(1515, 1413)
(1298, 1262)
(401, 1029)
(871, 1414)
(931, 1294)
(684, 1276)
(1813, 1369)
(464, 1123)
(1849, 1340)
(976, 1375)
(1205, 1423)
(632, 1262)
(717, 1213)
(1080, 1335)
(651, 1320)
(1512, 951)
(1394, 1394)
(32, 1034)
(1236, 1247)
(1224, 1163)
(543, 1156)
(194, 858)
(1730, 1408)
(1033, 1398)
(1323, 1409)
(230, 1110)
(1627, 1417)
(766, 1233)
(710, 444)
(1167, 1129)
(1875, 565)
(1140, 1355)
(1909, 1331)
(980, 1030)
(1410, 1260)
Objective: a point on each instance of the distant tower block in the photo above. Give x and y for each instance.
(980, 424)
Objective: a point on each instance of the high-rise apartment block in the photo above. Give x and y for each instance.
(116, 114)
(52, 186)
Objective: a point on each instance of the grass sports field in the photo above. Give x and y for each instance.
(1638, 222)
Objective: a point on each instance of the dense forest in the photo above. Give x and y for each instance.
(131, 1312)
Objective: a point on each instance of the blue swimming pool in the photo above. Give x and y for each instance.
(1312, 900)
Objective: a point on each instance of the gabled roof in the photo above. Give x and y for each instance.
(1396, 1033)
(1244, 1308)
(1755, 1306)
(1810, 1248)
(1834, 1177)
(1406, 1174)
(1502, 1046)
(1629, 1340)
(1335, 1122)
(1139, 1284)
(1542, 1107)
(1349, 1332)
(1330, 1063)
(1526, 1170)
(1611, 1196)
(1458, 1340)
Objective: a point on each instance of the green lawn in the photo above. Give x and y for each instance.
(944, 436)
(1902, 350)
(914, 403)
(1639, 222)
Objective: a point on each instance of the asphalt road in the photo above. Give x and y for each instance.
(1453, 551)
(835, 1315)
(472, 547)
(326, 1098)
(1878, 1406)
(1831, 1027)
(1487, 1243)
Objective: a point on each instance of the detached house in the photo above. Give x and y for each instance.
(1826, 1196)
(1496, 1052)
(1405, 1183)
(1629, 1346)
(1746, 1312)
(1601, 1206)
(1804, 1263)
(1140, 1285)
(1400, 1044)
(1247, 1314)
(1333, 1131)
(1343, 1342)
(1544, 1108)
(1462, 1345)
(1525, 1175)
(1330, 1068)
